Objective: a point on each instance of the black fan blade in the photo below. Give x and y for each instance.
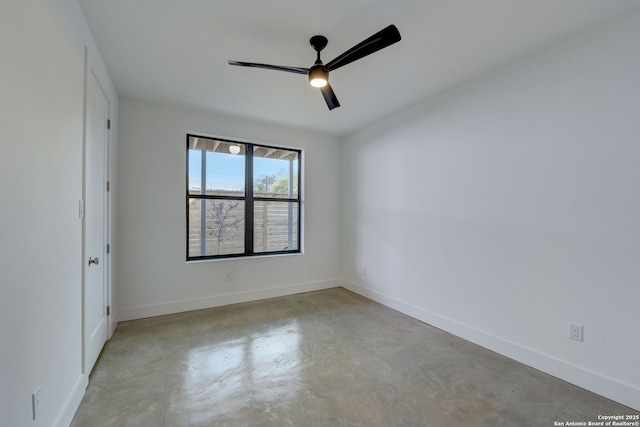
(379, 40)
(297, 70)
(329, 97)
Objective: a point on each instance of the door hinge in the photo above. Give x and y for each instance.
(108, 185)
(108, 123)
(108, 310)
(108, 248)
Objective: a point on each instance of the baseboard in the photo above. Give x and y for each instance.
(73, 402)
(141, 312)
(608, 387)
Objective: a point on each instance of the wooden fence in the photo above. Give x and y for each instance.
(275, 227)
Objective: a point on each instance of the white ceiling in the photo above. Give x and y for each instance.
(176, 51)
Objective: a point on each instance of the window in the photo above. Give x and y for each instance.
(243, 199)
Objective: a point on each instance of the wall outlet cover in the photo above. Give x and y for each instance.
(35, 402)
(576, 332)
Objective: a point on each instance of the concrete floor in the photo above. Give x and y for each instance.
(328, 358)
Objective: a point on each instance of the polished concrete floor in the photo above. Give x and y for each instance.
(328, 358)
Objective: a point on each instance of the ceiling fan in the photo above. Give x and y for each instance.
(319, 72)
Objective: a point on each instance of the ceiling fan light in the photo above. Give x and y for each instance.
(318, 76)
(318, 82)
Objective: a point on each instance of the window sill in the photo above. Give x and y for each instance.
(243, 258)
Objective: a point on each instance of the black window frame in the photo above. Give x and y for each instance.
(249, 201)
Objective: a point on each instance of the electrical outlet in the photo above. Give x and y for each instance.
(229, 277)
(575, 332)
(35, 402)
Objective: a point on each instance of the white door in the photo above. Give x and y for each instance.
(95, 221)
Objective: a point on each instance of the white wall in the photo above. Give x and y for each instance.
(41, 115)
(153, 277)
(509, 207)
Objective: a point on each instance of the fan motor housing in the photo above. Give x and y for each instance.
(318, 75)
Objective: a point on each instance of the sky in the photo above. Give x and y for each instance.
(226, 171)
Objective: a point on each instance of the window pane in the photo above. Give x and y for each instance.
(216, 167)
(275, 172)
(275, 226)
(195, 171)
(216, 227)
